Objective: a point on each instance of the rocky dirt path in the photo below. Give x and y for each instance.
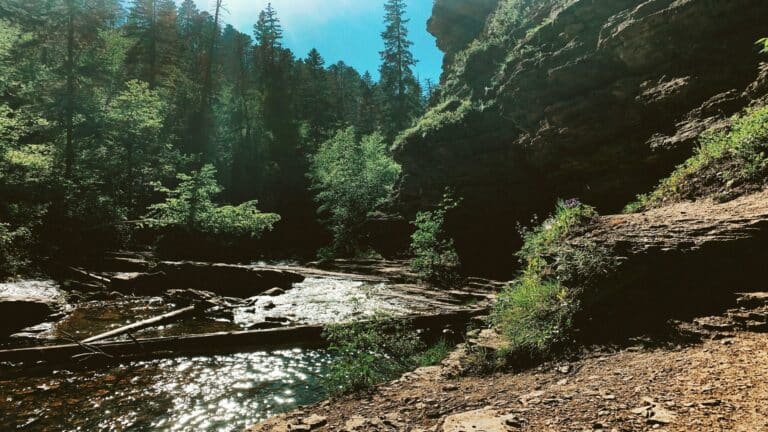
(718, 385)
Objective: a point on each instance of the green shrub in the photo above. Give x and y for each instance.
(370, 352)
(190, 206)
(727, 162)
(435, 257)
(543, 239)
(352, 177)
(536, 311)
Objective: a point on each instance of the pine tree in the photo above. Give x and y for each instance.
(367, 120)
(314, 103)
(399, 86)
(152, 24)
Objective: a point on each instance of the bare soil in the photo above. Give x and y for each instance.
(717, 385)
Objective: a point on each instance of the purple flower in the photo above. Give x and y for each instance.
(572, 203)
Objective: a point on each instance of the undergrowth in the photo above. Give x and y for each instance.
(536, 311)
(371, 352)
(727, 163)
(435, 257)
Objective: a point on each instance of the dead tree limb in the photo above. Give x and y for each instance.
(161, 319)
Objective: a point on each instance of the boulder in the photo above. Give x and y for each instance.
(19, 312)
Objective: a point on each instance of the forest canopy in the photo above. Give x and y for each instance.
(101, 101)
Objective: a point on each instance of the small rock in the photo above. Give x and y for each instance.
(315, 421)
(273, 292)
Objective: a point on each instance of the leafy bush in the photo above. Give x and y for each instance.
(726, 163)
(190, 206)
(435, 257)
(536, 311)
(370, 352)
(352, 177)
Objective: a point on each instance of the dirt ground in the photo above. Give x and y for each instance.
(717, 385)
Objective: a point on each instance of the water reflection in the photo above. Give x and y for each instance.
(221, 393)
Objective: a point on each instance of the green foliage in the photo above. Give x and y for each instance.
(447, 113)
(435, 354)
(763, 43)
(725, 162)
(352, 177)
(535, 312)
(190, 205)
(435, 257)
(371, 352)
(544, 238)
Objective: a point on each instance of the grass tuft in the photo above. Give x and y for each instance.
(727, 163)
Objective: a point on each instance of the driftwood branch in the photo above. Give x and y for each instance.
(161, 319)
(91, 276)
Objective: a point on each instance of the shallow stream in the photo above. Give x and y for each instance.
(212, 393)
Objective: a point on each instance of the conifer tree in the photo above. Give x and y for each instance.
(400, 88)
(152, 24)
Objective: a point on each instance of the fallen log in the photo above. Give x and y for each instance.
(90, 276)
(220, 343)
(161, 319)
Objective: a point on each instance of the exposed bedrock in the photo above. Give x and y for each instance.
(677, 262)
(597, 99)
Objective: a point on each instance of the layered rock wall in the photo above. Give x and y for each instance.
(594, 99)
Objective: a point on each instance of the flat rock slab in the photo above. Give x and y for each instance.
(484, 420)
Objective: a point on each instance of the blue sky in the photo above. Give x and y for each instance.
(346, 30)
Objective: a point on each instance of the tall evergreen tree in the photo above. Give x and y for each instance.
(314, 104)
(400, 88)
(152, 24)
(367, 120)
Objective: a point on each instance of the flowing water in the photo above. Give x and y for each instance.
(219, 393)
(211, 393)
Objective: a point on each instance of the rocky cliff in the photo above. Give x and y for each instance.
(595, 99)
